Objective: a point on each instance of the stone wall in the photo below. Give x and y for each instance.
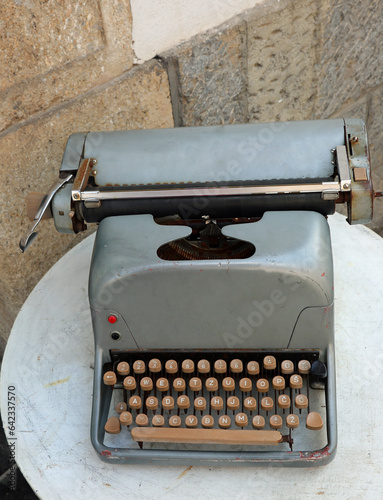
(68, 66)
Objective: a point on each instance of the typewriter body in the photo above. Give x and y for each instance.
(211, 286)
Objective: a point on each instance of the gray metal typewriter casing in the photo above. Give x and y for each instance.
(289, 175)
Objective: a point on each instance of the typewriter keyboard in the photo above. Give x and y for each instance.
(199, 399)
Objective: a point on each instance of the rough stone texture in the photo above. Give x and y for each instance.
(282, 60)
(350, 63)
(32, 155)
(53, 51)
(212, 77)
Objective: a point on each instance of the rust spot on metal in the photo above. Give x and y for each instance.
(106, 453)
(315, 455)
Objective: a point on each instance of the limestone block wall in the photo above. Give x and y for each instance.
(69, 66)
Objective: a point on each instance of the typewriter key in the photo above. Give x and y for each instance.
(146, 384)
(162, 384)
(188, 366)
(224, 422)
(220, 366)
(233, 403)
(267, 404)
(171, 366)
(262, 385)
(236, 366)
(207, 422)
(301, 401)
(200, 404)
(110, 378)
(179, 384)
(120, 407)
(278, 383)
(241, 420)
(158, 421)
(284, 401)
(253, 368)
(113, 425)
(314, 421)
(250, 404)
(228, 384)
(142, 420)
(123, 368)
(276, 422)
(174, 421)
(216, 403)
(195, 384)
(245, 385)
(258, 422)
(183, 402)
(296, 382)
(126, 418)
(269, 363)
(139, 367)
(151, 403)
(168, 403)
(287, 367)
(135, 402)
(191, 421)
(155, 365)
(304, 367)
(211, 384)
(292, 421)
(129, 383)
(203, 366)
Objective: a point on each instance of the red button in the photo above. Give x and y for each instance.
(112, 318)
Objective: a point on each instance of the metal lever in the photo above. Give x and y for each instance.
(30, 234)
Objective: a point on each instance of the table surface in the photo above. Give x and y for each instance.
(49, 359)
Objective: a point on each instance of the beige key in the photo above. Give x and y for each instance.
(191, 421)
(142, 420)
(211, 384)
(245, 384)
(253, 368)
(126, 418)
(292, 421)
(269, 363)
(151, 403)
(236, 366)
(130, 383)
(123, 368)
(224, 422)
(110, 378)
(296, 382)
(209, 436)
(120, 407)
(267, 404)
(135, 402)
(183, 402)
(207, 422)
(220, 366)
(146, 384)
(200, 404)
(228, 384)
(275, 421)
(203, 366)
(278, 383)
(188, 366)
(250, 404)
(179, 384)
(171, 366)
(216, 403)
(304, 367)
(195, 384)
(139, 367)
(314, 421)
(287, 367)
(162, 384)
(175, 421)
(301, 401)
(155, 365)
(233, 403)
(158, 421)
(262, 385)
(284, 401)
(113, 425)
(258, 422)
(168, 403)
(241, 420)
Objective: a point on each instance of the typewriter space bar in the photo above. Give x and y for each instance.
(208, 436)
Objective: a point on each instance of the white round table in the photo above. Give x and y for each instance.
(49, 360)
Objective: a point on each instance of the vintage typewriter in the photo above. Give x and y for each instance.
(211, 285)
